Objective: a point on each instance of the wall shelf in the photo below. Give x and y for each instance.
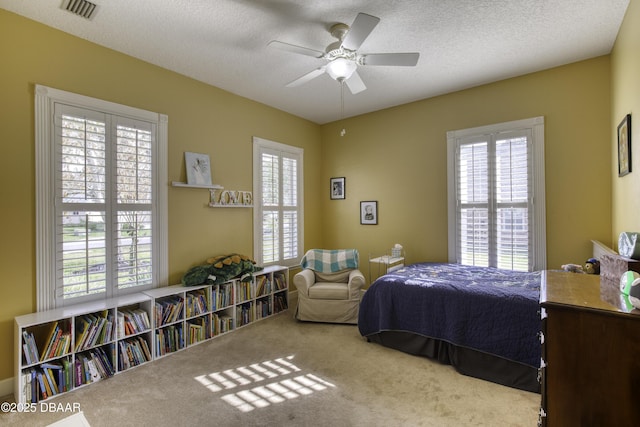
(222, 205)
(208, 187)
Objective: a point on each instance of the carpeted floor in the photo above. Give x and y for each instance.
(280, 372)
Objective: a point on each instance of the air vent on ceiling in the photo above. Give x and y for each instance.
(82, 8)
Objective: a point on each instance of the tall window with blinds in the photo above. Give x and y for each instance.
(278, 203)
(103, 203)
(106, 229)
(493, 197)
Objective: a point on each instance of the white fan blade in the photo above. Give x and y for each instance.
(359, 31)
(355, 83)
(296, 49)
(401, 59)
(307, 77)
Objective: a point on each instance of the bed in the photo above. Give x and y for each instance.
(483, 321)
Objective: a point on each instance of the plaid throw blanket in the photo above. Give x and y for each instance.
(330, 261)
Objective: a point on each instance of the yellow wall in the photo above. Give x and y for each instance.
(625, 99)
(201, 119)
(398, 157)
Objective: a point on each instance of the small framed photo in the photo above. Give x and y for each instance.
(198, 168)
(369, 213)
(338, 189)
(624, 146)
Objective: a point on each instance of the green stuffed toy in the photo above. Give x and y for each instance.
(221, 269)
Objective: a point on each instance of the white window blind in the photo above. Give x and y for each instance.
(278, 200)
(496, 196)
(108, 223)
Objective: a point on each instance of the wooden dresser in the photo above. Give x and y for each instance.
(591, 353)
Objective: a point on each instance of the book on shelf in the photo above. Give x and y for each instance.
(196, 303)
(281, 282)
(132, 352)
(94, 365)
(169, 339)
(30, 386)
(168, 310)
(50, 379)
(222, 296)
(30, 348)
(93, 330)
(53, 334)
(262, 285)
(280, 302)
(244, 291)
(43, 389)
(131, 322)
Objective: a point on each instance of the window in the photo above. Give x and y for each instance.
(278, 213)
(496, 195)
(101, 206)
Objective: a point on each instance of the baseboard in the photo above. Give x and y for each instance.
(6, 387)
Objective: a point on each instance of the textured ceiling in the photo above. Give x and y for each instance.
(462, 43)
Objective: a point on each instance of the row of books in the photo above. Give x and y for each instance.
(168, 310)
(132, 352)
(58, 343)
(93, 365)
(263, 286)
(244, 291)
(169, 339)
(263, 308)
(199, 330)
(94, 329)
(244, 314)
(46, 380)
(30, 348)
(197, 303)
(223, 296)
(280, 302)
(281, 282)
(132, 321)
(222, 323)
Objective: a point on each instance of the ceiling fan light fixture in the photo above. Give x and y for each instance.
(341, 69)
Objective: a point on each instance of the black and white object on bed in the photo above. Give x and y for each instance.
(483, 321)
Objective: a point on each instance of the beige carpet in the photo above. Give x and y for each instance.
(280, 372)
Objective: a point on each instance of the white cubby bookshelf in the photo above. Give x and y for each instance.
(60, 350)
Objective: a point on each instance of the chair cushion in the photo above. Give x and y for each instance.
(338, 277)
(329, 290)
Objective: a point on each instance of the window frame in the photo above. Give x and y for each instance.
(45, 99)
(261, 145)
(535, 126)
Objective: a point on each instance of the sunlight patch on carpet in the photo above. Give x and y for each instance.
(285, 382)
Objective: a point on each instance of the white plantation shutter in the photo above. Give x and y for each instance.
(473, 196)
(513, 201)
(81, 186)
(496, 196)
(278, 203)
(104, 217)
(133, 174)
(107, 220)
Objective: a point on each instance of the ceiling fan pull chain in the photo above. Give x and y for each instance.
(343, 131)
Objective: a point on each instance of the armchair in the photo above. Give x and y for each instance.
(329, 286)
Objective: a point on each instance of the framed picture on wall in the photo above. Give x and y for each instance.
(369, 213)
(198, 168)
(338, 190)
(624, 146)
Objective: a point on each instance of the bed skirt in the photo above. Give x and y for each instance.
(465, 360)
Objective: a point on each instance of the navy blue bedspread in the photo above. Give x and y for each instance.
(486, 309)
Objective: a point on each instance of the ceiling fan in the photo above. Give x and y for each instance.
(342, 56)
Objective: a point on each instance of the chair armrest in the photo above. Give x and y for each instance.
(356, 282)
(304, 280)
